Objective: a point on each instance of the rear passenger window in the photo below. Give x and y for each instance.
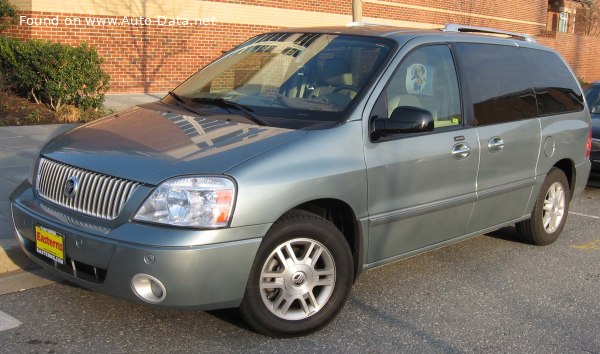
(427, 79)
(497, 81)
(555, 87)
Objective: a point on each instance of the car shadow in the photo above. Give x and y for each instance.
(508, 233)
(233, 317)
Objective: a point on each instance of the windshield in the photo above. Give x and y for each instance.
(592, 96)
(292, 80)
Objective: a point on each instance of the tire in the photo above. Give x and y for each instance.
(549, 213)
(295, 300)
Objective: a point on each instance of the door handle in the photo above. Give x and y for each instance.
(461, 151)
(495, 144)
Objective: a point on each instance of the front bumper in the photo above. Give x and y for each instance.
(205, 274)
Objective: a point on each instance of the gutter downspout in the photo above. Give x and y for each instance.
(356, 10)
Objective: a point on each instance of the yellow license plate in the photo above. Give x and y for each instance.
(50, 244)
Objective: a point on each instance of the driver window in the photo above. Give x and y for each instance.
(427, 79)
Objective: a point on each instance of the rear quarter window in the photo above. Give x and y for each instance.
(556, 89)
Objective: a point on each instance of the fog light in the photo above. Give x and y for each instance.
(148, 288)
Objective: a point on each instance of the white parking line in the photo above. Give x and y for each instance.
(8, 322)
(585, 215)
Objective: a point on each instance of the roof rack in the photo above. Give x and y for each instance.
(363, 24)
(453, 27)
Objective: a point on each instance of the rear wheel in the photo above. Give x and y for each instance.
(301, 277)
(550, 212)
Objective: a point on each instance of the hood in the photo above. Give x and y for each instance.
(153, 142)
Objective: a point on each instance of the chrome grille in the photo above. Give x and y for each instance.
(98, 195)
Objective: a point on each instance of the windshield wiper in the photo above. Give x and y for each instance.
(223, 103)
(180, 102)
(176, 97)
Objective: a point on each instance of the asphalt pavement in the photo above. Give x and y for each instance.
(18, 148)
(489, 294)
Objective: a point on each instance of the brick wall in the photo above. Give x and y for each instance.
(330, 6)
(514, 9)
(156, 58)
(581, 52)
(144, 58)
(514, 15)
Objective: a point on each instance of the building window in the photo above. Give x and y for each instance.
(563, 22)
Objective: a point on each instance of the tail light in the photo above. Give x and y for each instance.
(588, 146)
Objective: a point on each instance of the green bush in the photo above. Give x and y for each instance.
(6, 85)
(54, 73)
(8, 15)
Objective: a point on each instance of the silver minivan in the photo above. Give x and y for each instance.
(271, 178)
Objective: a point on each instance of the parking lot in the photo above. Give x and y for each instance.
(487, 294)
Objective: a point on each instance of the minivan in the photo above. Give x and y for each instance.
(271, 178)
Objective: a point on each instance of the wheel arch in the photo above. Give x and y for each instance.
(342, 216)
(568, 167)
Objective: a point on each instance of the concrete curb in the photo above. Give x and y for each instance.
(118, 102)
(12, 259)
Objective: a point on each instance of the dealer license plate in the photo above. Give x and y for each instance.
(50, 244)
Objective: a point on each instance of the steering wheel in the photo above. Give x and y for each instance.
(346, 87)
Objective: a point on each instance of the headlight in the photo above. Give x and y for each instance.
(197, 201)
(595, 144)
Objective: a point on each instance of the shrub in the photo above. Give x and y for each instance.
(6, 85)
(54, 73)
(8, 15)
(69, 114)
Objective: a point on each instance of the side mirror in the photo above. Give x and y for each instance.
(404, 120)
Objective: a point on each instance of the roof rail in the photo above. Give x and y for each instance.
(453, 27)
(361, 24)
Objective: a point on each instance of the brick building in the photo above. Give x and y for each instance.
(152, 45)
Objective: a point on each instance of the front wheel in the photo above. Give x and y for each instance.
(550, 212)
(301, 277)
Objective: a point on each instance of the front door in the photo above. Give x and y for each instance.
(421, 187)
